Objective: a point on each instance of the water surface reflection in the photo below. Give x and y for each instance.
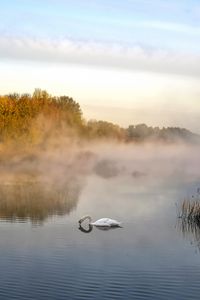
(190, 231)
(35, 201)
(88, 228)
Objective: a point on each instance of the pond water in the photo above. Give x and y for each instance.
(45, 255)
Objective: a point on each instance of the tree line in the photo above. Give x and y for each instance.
(33, 119)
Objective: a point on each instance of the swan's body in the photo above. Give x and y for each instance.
(104, 222)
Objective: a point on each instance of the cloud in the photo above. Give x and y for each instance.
(99, 54)
(170, 26)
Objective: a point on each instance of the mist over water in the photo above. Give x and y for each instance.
(51, 179)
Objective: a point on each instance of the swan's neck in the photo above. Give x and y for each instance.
(85, 218)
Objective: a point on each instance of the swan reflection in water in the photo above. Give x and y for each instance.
(90, 228)
(101, 224)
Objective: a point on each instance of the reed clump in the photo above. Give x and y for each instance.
(190, 210)
(189, 220)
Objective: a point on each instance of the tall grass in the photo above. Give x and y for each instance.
(190, 210)
(189, 220)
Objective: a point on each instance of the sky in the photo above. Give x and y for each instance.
(125, 61)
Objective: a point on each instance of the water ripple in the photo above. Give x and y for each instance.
(55, 282)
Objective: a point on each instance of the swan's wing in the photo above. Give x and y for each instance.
(114, 222)
(106, 222)
(101, 222)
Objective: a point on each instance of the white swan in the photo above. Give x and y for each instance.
(104, 222)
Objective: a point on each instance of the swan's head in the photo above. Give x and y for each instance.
(90, 227)
(85, 218)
